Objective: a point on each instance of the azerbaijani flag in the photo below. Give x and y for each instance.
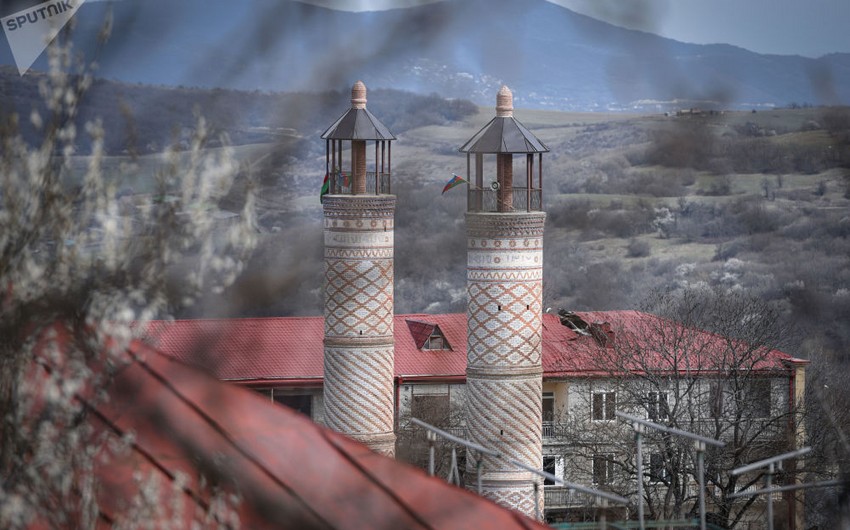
(326, 187)
(454, 181)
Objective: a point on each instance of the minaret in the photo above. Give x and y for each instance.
(504, 224)
(358, 229)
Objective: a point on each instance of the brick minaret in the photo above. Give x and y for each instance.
(504, 282)
(358, 228)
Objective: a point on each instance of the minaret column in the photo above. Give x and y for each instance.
(358, 379)
(504, 368)
(504, 279)
(358, 233)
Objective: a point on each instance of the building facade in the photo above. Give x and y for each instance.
(581, 439)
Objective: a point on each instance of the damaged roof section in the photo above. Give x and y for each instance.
(601, 331)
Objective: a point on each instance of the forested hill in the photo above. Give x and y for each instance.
(140, 119)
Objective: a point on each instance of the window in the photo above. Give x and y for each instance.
(549, 466)
(757, 398)
(302, 403)
(603, 406)
(656, 406)
(431, 408)
(657, 469)
(435, 342)
(548, 407)
(715, 399)
(548, 414)
(603, 469)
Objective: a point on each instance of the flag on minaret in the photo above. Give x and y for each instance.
(326, 186)
(454, 181)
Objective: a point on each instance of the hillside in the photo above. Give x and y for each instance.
(550, 56)
(143, 119)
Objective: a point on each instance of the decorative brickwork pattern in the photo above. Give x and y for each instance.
(358, 364)
(359, 389)
(520, 499)
(512, 422)
(504, 333)
(359, 296)
(504, 324)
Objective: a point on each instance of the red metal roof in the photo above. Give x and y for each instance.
(288, 471)
(269, 350)
(650, 339)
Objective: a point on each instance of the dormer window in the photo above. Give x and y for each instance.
(427, 336)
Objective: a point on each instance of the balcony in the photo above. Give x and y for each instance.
(559, 497)
(487, 200)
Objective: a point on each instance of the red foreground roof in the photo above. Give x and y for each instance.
(273, 350)
(288, 471)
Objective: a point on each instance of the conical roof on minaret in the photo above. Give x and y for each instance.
(504, 133)
(358, 123)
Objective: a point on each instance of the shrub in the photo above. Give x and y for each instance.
(638, 248)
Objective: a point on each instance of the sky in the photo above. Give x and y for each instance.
(789, 27)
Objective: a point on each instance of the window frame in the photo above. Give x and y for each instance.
(435, 338)
(444, 407)
(550, 398)
(658, 406)
(715, 399)
(553, 464)
(602, 462)
(654, 476)
(303, 400)
(756, 392)
(608, 402)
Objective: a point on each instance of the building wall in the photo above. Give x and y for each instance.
(573, 411)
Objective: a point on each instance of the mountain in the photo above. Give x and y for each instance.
(550, 56)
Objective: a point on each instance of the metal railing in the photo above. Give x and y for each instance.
(433, 432)
(487, 200)
(560, 497)
(700, 442)
(672, 524)
(376, 183)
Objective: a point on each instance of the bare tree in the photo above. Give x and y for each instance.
(412, 445)
(81, 272)
(701, 361)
